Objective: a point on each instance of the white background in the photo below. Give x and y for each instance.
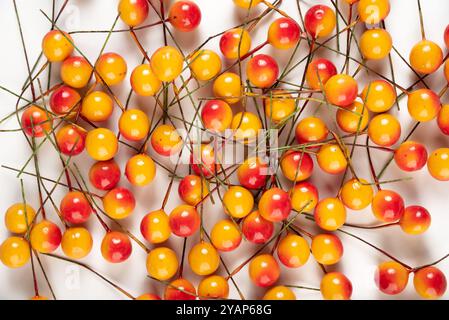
(359, 260)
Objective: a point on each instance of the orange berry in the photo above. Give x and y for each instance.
(331, 159)
(184, 221)
(235, 43)
(213, 287)
(423, 105)
(133, 12)
(304, 196)
(97, 106)
(443, 119)
(155, 227)
(205, 65)
(148, 296)
(238, 202)
(310, 130)
(184, 15)
(296, 165)
(279, 106)
(391, 277)
(415, 220)
(104, 175)
(246, 126)
(204, 259)
(180, 289)
(202, 160)
(354, 118)
(116, 247)
(275, 205)
(119, 203)
(356, 194)
(76, 243)
(253, 173)
(228, 87)
(438, 164)
(111, 69)
(167, 63)
(411, 156)
(36, 122)
(330, 214)
(373, 11)
(262, 70)
(247, 4)
(76, 72)
(14, 252)
(284, 33)
(384, 130)
(293, 251)
(65, 100)
(336, 286)
(319, 71)
(140, 170)
(19, 217)
(263, 270)
(45, 237)
(134, 124)
(327, 249)
(341, 90)
(71, 140)
(256, 229)
(216, 115)
(379, 96)
(192, 189)
(57, 46)
(279, 293)
(430, 282)
(426, 57)
(101, 144)
(225, 235)
(387, 206)
(144, 82)
(162, 263)
(375, 44)
(165, 140)
(320, 21)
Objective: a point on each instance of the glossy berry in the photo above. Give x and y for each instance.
(111, 69)
(284, 33)
(104, 175)
(203, 259)
(331, 159)
(304, 196)
(319, 71)
(247, 4)
(356, 194)
(275, 205)
(45, 237)
(192, 189)
(384, 130)
(144, 82)
(133, 12)
(71, 140)
(378, 96)
(216, 115)
(76, 72)
(387, 206)
(426, 57)
(185, 15)
(213, 287)
(64, 100)
(148, 296)
(155, 227)
(256, 229)
(438, 164)
(262, 71)
(238, 202)
(336, 286)
(320, 21)
(246, 126)
(423, 105)
(202, 160)
(443, 119)
(228, 87)
(330, 214)
(410, 156)
(97, 106)
(327, 249)
(235, 43)
(430, 282)
(253, 173)
(354, 118)
(264, 271)
(391, 277)
(415, 220)
(165, 140)
(162, 263)
(310, 130)
(279, 293)
(119, 203)
(75, 208)
(116, 247)
(57, 46)
(134, 124)
(279, 106)
(373, 11)
(180, 289)
(225, 235)
(101, 144)
(36, 122)
(293, 251)
(19, 217)
(184, 221)
(341, 90)
(296, 165)
(167, 63)
(140, 170)
(14, 252)
(375, 44)
(76, 243)
(205, 65)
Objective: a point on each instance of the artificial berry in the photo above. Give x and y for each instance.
(75, 208)
(144, 82)
(279, 293)
(284, 33)
(216, 115)
(373, 11)
(356, 194)
(438, 164)
(293, 251)
(76, 243)
(391, 277)
(310, 130)
(36, 122)
(426, 57)
(14, 252)
(97, 106)
(205, 65)
(76, 72)
(341, 90)
(320, 21)
(335, 286)
(375, 44)
(443, 119)
(119, 203)
(246, 126)
(331, 159)
(213, 287)
(111, 69)
(180, 289)
(330, 214)
(384, 130)
(378, 96)
(202, 160)
(104, 175)
(19, 217)
(192, 189)
(167, 63)
(262, 71)
(430, 282)
(184, 221)
(133, 12)
(410, 156)
(238, 202)
(235, 43)
(247, 4)
(116, 247)
(225, 235)
(304, 196)
(275, 205)
(203, 259)
(148, 296)
(185, 15)
(387, 206)
(354, 118)
(228, 86)
(57, 45)
(423, 105)
(71, 140)
(264, 271)
(101, 144)
(162, 263)
(253, 173)
(64, 100)
(165, 140)
(45, 237)
(296, 165)
(140, 170)
(155, 227)
(327, 249)
(415, 220)
(319, 71)
(256, 229)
